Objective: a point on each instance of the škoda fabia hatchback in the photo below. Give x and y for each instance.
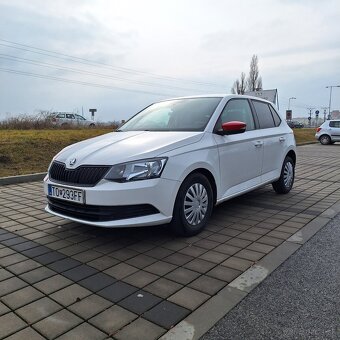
(172, 163)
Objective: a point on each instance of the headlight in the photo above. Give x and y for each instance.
(137, 170)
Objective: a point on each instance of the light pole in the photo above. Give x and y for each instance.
(289, 102)
(330, 98)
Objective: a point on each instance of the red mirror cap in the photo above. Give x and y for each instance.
(234, 126)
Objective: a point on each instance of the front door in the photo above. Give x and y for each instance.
(240, 154)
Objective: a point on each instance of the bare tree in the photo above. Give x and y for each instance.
(254, 81)
(239, 86)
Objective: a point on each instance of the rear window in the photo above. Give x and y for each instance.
(264, 114)
(276, 116)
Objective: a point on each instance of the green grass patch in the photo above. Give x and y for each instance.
(30, 151)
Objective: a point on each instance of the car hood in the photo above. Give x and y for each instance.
(119, 147)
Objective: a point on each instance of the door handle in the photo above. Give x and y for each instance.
(282, 139)
(258, 144)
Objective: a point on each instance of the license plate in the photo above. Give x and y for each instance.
(66, 194)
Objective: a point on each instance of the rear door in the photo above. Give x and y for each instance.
(274, 137)
(334, 129)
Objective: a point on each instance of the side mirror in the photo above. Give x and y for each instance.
(233, 128)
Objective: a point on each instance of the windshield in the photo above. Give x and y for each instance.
(190, 114)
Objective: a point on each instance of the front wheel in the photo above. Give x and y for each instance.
(285, 183)
(193, 206)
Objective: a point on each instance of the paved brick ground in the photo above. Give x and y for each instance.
(60, 279)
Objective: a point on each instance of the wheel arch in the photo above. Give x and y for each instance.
(210, 178)
(292, 155)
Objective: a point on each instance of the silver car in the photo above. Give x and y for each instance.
(328, 132)
(66, 118)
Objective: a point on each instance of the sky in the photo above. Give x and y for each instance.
(120, 56)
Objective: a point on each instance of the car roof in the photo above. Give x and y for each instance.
(218, 95)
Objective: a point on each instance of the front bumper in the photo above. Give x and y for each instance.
(109, 196)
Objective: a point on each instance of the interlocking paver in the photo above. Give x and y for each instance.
(3, 309)
(53, 284)
(37, 275)
(188, 298)
(121, 270)
(224, 273)
(97, 282)
(163, 287)
(140, 279)
(140, 329)
(70, 294)
(182, 275)
(22, 297)
(166, 314)
(207, 284)
(10, 323)
(57, 324)
(237, 263)
(112, 319)
(10, 285)
(117, 291)
(90, 306)
(83, 331)
(38, 310)
(139, 302)
(27, 333)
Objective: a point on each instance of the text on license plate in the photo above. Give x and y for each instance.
(66, 194)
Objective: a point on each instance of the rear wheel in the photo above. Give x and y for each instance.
(285, 183)
(325, 140)
(193, 206)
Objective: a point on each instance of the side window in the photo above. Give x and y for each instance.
(334, 124)
(69, 116)
(80, 117)
(275, 115)
(61, 115)
(239, 110)
(264, 115)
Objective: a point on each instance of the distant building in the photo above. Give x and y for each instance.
(335, 114)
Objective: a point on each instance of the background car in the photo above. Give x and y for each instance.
(328, 132)
(172, 163)
(295, 124)
(66, 118)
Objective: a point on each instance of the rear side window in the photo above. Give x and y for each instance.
(61, 115)
(275, 115)
(334, 124)
(264, 114)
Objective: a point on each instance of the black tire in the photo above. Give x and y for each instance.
(325, 139)
(180, 223)
(92, 125)
(284, 184)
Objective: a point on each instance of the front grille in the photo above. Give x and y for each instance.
(100, 213)
(84, 175)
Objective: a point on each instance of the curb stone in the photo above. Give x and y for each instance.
(22, 178)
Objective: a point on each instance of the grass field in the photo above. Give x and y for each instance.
(29, 151)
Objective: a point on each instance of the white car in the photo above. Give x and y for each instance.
(172, 163)
(70, 119)
(328, 132)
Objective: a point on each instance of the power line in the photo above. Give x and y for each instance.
(96, 63)
(70, 81)
(84, 72)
